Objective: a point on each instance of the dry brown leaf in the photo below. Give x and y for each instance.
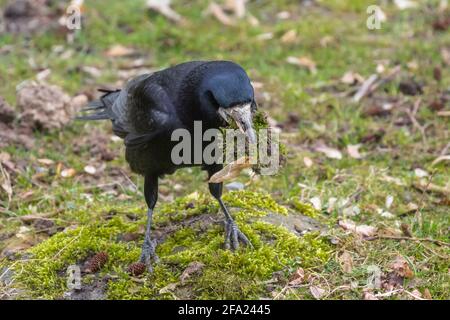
(369, 296)
(119, 50)
(169, 288)
(353, 151)
(193, 268)
(445, 54)
(325, 41)
(304, 62)
(308, 162)
(68, 173)
(427, 294)
(329, 152)
(352, 78)
(220, 14)
(289, 37)
(346, 261)
(237, 6)
(46, 162)
(402, 268)
(163, 7)
(317, 292)
(297, 278)
(254, 22)
(363, 230)
(231, 170)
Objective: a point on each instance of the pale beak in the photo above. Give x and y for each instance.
(242, 115)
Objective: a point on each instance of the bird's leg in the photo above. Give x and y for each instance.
(148, 254)
(232, 233)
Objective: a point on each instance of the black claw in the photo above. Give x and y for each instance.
(233, 236)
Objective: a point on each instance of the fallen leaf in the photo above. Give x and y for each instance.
(420, 173)
(254, 22)
(405, 4)
(351, 211)
(46, 162)
(163, 7)
(353, 151)
(331, 204)
(367, 295)
(169, 288)
(389, 201)
(44, 74)
(325, 41)
(265, 36)
(317, 292)
(316, 202)
(237, 6)
(289, 37)
(410, 207)
(217, 11)
(308, 162)
(303, 62)
(92, 71)
(427, 294)
(363, 230)
(402, 268)
(445, 54)
(119, 51)
(329, 152)
(346, 261)
(352, 78)
(283, 15)
(193, 268)
(406, 230)
(297, 278)
(90, 170)
(231, 170)
(68, 173)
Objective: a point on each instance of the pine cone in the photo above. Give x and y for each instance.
(96, 262)
(136, 269)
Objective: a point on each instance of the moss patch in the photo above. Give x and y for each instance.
(226, 275)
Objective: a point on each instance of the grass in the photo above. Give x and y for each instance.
(406, 37)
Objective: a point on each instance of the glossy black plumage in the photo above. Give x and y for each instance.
(147, 110)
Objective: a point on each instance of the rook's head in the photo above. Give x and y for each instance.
(228, 95)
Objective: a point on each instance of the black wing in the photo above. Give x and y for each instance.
(142, 111)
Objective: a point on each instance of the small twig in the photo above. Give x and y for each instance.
(438, 242)
(390, 293)
(412, 117)
(366, 88)
(373, 83)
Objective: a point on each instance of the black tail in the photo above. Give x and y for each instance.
(100, 109)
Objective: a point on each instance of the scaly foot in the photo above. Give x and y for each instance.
(148, 254)
(233, 235)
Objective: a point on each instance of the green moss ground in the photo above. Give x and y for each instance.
(43, 273)
(85, 206)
